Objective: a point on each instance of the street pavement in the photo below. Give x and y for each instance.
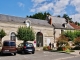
(42, 55)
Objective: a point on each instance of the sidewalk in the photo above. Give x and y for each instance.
(77, 52)
(39, 48)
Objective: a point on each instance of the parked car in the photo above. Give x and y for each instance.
(26, 48)
(9, 47)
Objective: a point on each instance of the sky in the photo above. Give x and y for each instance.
(22, 8)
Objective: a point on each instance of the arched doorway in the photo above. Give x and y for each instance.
(13, 36)
(39, 39)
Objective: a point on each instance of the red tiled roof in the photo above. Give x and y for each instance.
(75, 26)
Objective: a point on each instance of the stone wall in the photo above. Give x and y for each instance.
(12, 27)
(47, 33)
(8, 28)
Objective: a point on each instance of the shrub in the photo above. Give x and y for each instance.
(62, 41)
(64, 48)
(77, 41)
(68, 47)
(60, 48)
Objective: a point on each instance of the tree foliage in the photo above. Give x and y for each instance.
(39, 15)
(62, 40)
(77, 41)
(25, 34)
(72, 34)
(77, 23)
(2, 33)
(67, 18)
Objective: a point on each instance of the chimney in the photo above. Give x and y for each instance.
(50, 21)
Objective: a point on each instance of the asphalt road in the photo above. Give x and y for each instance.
(41, 55)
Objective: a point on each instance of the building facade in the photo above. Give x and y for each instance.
(46, 31)
(42, 29)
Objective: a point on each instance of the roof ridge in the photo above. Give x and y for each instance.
(12, 16)
(37, 19)
(58, 17)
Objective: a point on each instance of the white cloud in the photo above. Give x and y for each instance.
(21, 4)
(44, 7)
(37, 2)
(57, 7)
(32, 10)
(76, 4)
(60, 6)
(75, 17)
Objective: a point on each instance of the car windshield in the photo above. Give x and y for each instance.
(29, 45)
(9, 44)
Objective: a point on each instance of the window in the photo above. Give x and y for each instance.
(9, 44)
(13, 36)
(29, 45)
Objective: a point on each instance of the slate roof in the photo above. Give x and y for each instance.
(8, 18)
(58, 23)
(39, 22)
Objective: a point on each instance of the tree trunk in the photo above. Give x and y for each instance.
(24, 42)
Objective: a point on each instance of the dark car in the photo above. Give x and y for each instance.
(9, 47)
(26, 48)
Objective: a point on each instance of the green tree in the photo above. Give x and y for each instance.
(25, 34)
(77, 23)
(77, 33)
(39, 15)
(71, 35)
(2, 34)
(67, 18)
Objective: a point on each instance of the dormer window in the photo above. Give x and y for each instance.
(28, 23)
(64, 25)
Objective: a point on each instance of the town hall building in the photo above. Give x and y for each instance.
(46, 31)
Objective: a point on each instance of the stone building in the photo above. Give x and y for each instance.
(59, 25)
(46, 31)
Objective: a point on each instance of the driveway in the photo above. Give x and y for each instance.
(41, 55)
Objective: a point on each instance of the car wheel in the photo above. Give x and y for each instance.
(22, 52)
(1, 54)
(14, 54)
(33, 52)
